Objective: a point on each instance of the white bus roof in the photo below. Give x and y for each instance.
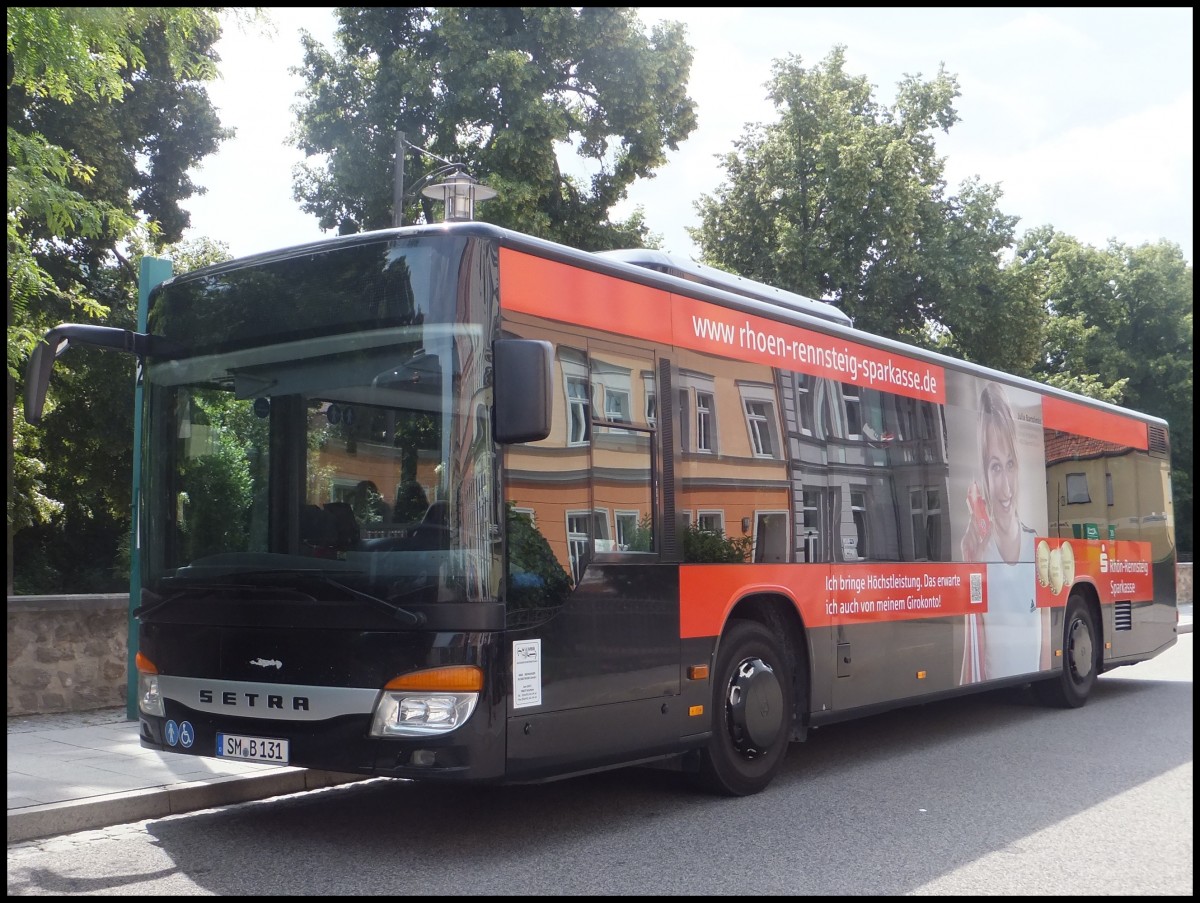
(711, 276)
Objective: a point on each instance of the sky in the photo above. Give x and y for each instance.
(1083, 117)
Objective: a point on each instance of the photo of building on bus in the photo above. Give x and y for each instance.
(494, 509)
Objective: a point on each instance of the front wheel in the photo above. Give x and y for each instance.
(1081, 659)
(752, 707)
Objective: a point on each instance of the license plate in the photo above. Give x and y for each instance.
(252, 749)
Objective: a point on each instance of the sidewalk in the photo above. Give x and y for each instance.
(83, 770)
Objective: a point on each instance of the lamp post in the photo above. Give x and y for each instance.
(398, 186)
(458, 191)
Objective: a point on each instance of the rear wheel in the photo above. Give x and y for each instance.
(752, 707)
(1081, 659)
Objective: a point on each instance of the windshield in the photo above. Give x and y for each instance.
(350, 467)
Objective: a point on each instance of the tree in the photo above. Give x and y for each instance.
(503, 90)
(979, 309)
(106, 115)
(73, 485)
(536, 578)
(844, 199)
(68, 66)
(714, 547)
(1120, 329)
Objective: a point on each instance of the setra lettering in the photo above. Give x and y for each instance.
(253, 700)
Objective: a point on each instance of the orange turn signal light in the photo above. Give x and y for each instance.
(144, 664)
(452, 679)
(697, 672)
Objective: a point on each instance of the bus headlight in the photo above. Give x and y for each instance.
(432, 701)
(150, 701)
(407, 714)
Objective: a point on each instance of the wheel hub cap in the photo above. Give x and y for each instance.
(756, 713)
(1081, 649)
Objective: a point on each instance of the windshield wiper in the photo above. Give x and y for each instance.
(415, 618)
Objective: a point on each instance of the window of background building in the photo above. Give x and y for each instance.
(926, 503)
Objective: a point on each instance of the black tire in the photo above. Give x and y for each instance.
(752, 710)
(1069, 689)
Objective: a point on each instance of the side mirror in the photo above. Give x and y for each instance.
(37, 380)
(58, 339)
(521, 390)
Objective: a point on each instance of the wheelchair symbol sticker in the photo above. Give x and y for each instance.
(187, 735)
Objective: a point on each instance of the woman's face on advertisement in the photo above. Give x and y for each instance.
(1000, 459)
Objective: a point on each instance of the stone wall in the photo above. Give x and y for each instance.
(67, 653)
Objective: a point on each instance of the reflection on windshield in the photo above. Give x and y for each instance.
(344, 458)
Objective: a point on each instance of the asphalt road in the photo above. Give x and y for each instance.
(984, 796)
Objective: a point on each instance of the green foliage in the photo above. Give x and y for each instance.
(106, 116)
(536, 579)
(28, 484)
(195, 253)
(844, 199)
(1121, 331)
(217, 503)
(86, 558)
(38, 192)
(218, 487)
(714, 547)
(980, 310)
(502, 90)
(67, 52)
(641, 538)
(84, 84)
(411, 503)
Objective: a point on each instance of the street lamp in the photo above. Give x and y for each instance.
(458, 190)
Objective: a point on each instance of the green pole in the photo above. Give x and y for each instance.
(154, 270)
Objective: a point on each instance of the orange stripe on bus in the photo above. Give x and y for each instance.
(707, 327)
(828, 595)
(1058, 414)
(571, 294)
(580, 297)
(707, 592)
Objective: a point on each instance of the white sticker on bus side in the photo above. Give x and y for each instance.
(527, 673)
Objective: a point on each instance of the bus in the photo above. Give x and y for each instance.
(453, 503)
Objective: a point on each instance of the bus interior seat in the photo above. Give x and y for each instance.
(316, 528)
(434, 530)
(438, 514)
(345, 526)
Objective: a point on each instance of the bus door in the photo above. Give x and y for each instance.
(628, 600)
(609, 652)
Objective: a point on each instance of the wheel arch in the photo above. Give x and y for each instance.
(1086, 590)
(779, 614)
